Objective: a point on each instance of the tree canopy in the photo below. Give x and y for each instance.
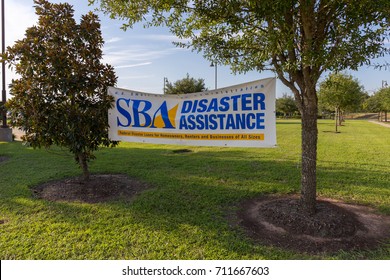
(340, 93)
(384, 96)
(185, 85)
(286, 105)
(379, 102)
(297, 39)
(60, 97)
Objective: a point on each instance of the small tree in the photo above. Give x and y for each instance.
(340, 92)
(379, 103)
(185, 85)
(286, 105)
(60, 97)
(384, 95)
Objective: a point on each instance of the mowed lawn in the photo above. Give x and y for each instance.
(185, 215)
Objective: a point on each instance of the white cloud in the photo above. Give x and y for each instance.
(162, 38)
(133, 65)
(136, 77)
(113, 40)
(137, 54)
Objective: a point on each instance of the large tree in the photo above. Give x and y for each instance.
(61, 95)
(341, 92)
(298, 39)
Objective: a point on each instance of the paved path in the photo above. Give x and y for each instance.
(381, 123)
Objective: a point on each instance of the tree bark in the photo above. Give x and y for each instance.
(84, 166)
(309, 154)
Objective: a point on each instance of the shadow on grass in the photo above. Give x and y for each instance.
(279, 121)
(185, 215)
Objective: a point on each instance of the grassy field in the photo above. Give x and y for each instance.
(184, 215)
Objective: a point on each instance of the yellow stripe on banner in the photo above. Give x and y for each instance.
(197, 136)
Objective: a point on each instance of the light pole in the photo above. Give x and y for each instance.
(3, 92)
(216, 73)
(165, 84)
(5, 131)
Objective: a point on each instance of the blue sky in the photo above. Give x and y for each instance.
(143, 57)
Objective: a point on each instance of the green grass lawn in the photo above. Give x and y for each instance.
(184, 215)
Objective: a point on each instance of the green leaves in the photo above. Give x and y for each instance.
(318, 35)
(60, 97)
(286, 106)
(379, 102)
(341, 91)
(185, 85)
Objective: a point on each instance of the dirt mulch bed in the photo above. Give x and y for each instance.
(100, 188)
(336, 226)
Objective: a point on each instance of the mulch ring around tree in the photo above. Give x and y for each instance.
(100, 188)
(279, 221)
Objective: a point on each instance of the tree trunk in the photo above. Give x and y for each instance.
(341, 117)
(309, 154)
(84, 166)
(307, 103)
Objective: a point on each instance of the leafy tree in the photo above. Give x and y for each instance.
(341, 92)
(379, 102)
(185, 85)
(60, 97)
(384, 95)
(286, 105)
(372, 104)
(298, 39)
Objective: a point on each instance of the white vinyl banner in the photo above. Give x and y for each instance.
(236, 116)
